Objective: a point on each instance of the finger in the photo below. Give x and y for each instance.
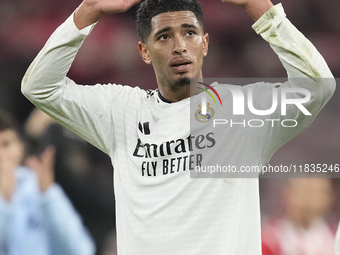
(33, 163)
(136, 1)
(48, 156)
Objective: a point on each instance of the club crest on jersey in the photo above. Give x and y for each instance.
(199, 116)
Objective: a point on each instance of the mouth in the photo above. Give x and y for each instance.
(181, 65)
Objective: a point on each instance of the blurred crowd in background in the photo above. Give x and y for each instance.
(109, 55)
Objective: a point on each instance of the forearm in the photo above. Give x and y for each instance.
(64, 225)
(297, 54)
(79, 108)
(305, 68)
(47, 72)
(86, 14)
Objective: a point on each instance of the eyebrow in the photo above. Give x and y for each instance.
(185, 25)
(167, 29)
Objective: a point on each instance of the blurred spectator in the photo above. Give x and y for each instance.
(36, 217)
(302, 230)
(83, 171)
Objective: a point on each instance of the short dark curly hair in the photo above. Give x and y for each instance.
(151, 8)
(8, 122)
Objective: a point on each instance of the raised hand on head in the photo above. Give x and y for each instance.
(255, 8)
(90, 11)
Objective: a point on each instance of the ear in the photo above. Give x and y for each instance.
(205, 44)
(144, 52)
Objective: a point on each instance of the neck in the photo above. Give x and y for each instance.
(175, 96)
(177, 93)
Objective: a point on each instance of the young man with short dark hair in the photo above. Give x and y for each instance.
(36, 217)
(160, 209)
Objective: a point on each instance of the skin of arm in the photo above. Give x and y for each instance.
(90, 11)
(255, 8)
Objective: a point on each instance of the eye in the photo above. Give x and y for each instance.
(5, 144)
(163, 37)
(191, 33)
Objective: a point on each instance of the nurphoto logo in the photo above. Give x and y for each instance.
(243, 96)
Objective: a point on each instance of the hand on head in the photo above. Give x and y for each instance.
(90, 11)
(255, 8)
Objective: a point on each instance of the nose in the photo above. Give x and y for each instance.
(179, 46)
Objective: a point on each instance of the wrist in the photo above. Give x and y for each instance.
(256, 8)
(86, 14)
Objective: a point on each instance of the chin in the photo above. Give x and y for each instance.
(182, 82)
(176, 85)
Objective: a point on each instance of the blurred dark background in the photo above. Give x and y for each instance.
(109, 55)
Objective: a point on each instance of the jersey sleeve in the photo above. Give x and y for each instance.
(65, 229)
(88, 111)
(306, 69)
